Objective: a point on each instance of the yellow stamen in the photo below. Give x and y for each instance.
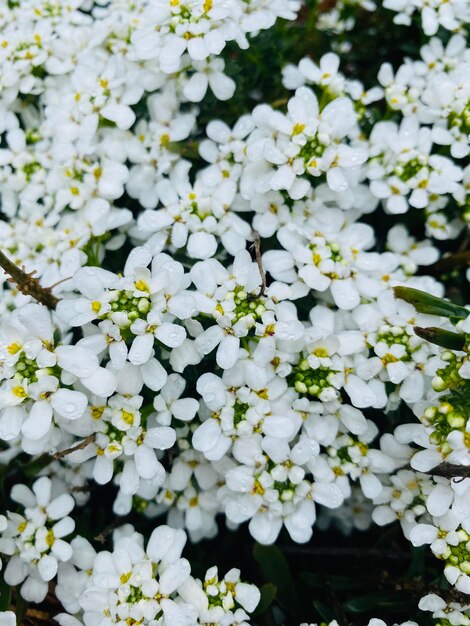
(19, 391)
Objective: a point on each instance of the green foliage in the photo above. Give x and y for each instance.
(276, 570)
(441, 337)
(5, 595)
(431, 305)
(376, 602)
(268, 595)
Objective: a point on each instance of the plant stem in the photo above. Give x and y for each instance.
(79, 446)
(27, 284)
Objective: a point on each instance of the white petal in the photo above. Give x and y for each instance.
(129, 478)
(425, 460)
(170, 335)
(102, 383)
(60, 507)
(227, 352)
(264, 528)
(34, 589)
(141, 349)
(423, 533)
(222, 86)
(371, 485)
(15, 572)
(160, 438)
(201, 245)
(39, 420)
(209, 339)
(439, 500)
(207, 435)
(103, 469)
(11, 419)
(146, 462)
(120, 114)
(196, 87)
(91, 280)
(336, 180)
(78, 361)
(248, 596)
(154, 374)
(166, 544)
(174, 576)
(184, 409)
(173, 614)
(344, 294)
(47, 567)
(69, 404)
(37, 320)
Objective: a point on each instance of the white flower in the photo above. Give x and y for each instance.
(124, 435)
(133, 583)
(209, 73)
(34, 541)
(306, 140)
(403, 170)
(452, 611)
(448, 15)
(7, 618)
(39, 372)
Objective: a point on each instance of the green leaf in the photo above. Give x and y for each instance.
(430, 305)
(21, 606)
(275, 569)
(323, 611)
(3, 473)
(5, 595)
(320, 581)
(441, 337)
(374, 601)
(37, 464)
(268, 593)
(417, 566)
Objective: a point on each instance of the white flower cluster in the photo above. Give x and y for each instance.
(433, 509)
(409, 167)
(223, 338)
(340, 17)
(451, 15)
(84, 73)
(134, 584)
(34, 540)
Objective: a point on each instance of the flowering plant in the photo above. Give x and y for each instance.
(233, 258)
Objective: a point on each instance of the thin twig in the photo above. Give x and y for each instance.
(59, 282)
(327, 5)
(446, 470)
(27, 284)
(101, 537)
(449, 470)
(80, 489)
(79, 446)
(256, 246)
(451, 262)
(279, 103)
(465, 241)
